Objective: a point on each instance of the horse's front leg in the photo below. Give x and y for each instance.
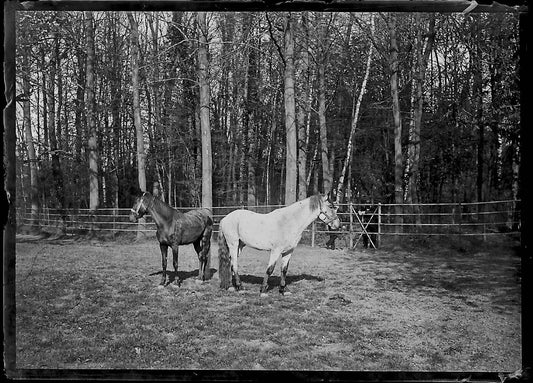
(164, 249)
(284, 267)
(274, 255)
(177, 280)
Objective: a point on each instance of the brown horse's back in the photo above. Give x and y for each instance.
(190, 226)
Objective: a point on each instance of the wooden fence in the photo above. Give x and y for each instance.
(368, 223)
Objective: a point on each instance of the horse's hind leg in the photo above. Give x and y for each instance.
(164, 249)
(202, 247)
(274, 255)
(201, 259)
(206, 255)
(235, 250)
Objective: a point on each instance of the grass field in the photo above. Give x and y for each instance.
(96, 305)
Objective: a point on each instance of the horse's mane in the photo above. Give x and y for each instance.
(161, 205)
(315, 202)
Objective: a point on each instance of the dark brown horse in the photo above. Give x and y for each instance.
(175, 228)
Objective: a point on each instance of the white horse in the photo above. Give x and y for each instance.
(278, 231)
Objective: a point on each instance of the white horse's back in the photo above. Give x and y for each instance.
(253, 229)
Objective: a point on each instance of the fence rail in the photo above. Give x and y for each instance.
(357, 221)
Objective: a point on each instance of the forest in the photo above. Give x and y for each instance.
(265, 108)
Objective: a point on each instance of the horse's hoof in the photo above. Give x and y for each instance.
(284, 293)
(231, 288)
(263, 295)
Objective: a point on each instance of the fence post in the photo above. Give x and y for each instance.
(379, 225)
(313, 234)
(460, 217)
(115, 215)
(350, 206)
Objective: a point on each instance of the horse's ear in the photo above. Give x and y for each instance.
(331, 196)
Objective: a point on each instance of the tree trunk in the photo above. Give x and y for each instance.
(398, 163)
(327, 177)
(270, 148)
(141, 155)
(478, 94)
(53, 132)
(91, 121)
(157, 126)
(79, 123)
(252, 163)
(139, 131)
(326, 173)
(251, 105)
(355, 117)
(115, 111)
(32, 158)
(290, 115)
(205, 99)
(9, 218)
(303, 112)
(207, 165)
(232, 182)
(515, 185)
(422, 52)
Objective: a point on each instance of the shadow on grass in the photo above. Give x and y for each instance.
(183, 275)
(274, 280)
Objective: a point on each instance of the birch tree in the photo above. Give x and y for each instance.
(205, 100)
(251, 103)
(290, 114)
(91, 121)
(398, 159)
(327, 176)
(355, 114)
(116, 102)
(207, 164)
(324, 50)
(141, 156)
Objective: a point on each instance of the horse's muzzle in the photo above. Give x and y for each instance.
(335, 224)
(133, 217)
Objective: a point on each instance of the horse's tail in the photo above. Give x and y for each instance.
(224, 261)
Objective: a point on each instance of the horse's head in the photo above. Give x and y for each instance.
(328, 213)
(140, 207)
